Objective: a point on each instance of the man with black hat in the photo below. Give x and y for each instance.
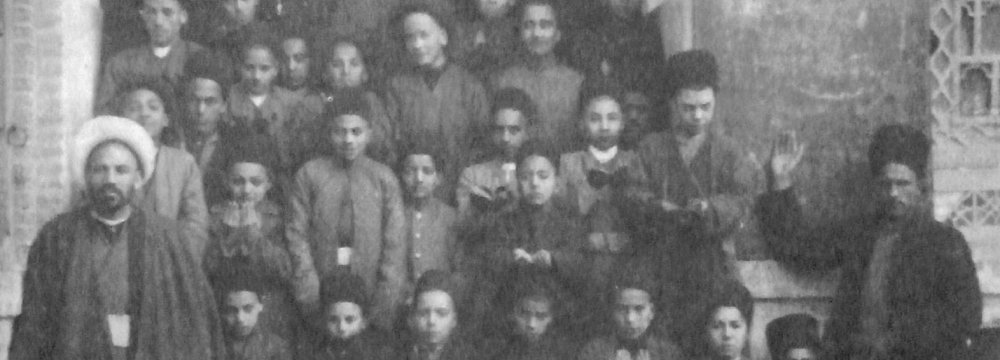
(206, 101)
(908, 286)
(110, 280)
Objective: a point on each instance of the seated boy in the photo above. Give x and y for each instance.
(430, 223)
(537, 235)
(347, 334)
(433, 322)
(794, 337)
(241, 308)
(724, 327)
(632, 310)
(491, 186)
(533, 306)
(346, 213)
(246, 230)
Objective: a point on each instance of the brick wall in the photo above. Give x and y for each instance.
(49, 63)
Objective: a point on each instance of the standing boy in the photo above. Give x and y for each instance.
(346, 214)
(436, 104)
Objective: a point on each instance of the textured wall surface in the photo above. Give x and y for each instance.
(50, 50)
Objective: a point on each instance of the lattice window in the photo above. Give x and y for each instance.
(977, 208)
(966, 67)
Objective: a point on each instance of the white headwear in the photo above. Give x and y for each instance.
(104, 128)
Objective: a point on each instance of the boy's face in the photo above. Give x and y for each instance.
(800, 354)
(425, 40)
(532, 317)
(603, 122)
(242, 11)
(509, 131)
(727, 332)
(240, 312)
(539, 30)
(494, 8)
(297, 69)
(637, 108)
(248, 182)
(695, 110)
(344, 320)
(260, 67)
(350, 135)
(420, 176)
(205, 104)
(537, 177)
(346, 69)
(434, 317)
(633, 313)
(163, 20)
(146, 108)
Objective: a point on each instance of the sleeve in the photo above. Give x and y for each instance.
(383, 145)
(783, 228)
(479, 107)
(305, 280)
(463, 193)
(392, 263)
(954, 312)
(194, 213)
(33, 332)
(740, 180)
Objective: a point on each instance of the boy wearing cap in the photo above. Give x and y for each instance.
(242, 305)
(163, 58)
(247, 232)
(206, 101)
(346, 214)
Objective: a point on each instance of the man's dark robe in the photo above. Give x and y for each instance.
(172, 310)
(931, 293)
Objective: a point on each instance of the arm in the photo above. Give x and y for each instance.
(739, 181)
(392, 267)
(33, 332)
(305, 281)
(194, 213)
(953, 313)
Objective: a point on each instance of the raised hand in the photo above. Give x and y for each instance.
(786, 153)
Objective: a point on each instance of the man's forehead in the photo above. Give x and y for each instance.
(696, 96)
(113, 151)
(205, 87)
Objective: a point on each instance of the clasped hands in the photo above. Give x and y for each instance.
(540, 257)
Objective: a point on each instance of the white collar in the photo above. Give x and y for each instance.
(111, 222)
(161, 52)
(604, 156)
(258, 100)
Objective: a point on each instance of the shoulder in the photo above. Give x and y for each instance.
(666, 349)
(379, 170)
(657, 140)
(598, 345)
(567, 72)
(172, 155)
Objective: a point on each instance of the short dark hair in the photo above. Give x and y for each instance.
(691, 70)
(211, 66)
(534, 149)
(594, 90)
(410, 150)
(161, 88)
(731, 293)
(347, 102)
(345, 287)
(514, 99)
(262, 41)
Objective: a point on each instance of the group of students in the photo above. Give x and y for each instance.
(343, 210)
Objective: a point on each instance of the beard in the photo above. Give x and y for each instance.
(108, 199)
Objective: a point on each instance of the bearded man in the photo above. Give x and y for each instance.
(108, 280)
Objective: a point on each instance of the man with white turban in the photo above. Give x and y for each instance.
(108, 280)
